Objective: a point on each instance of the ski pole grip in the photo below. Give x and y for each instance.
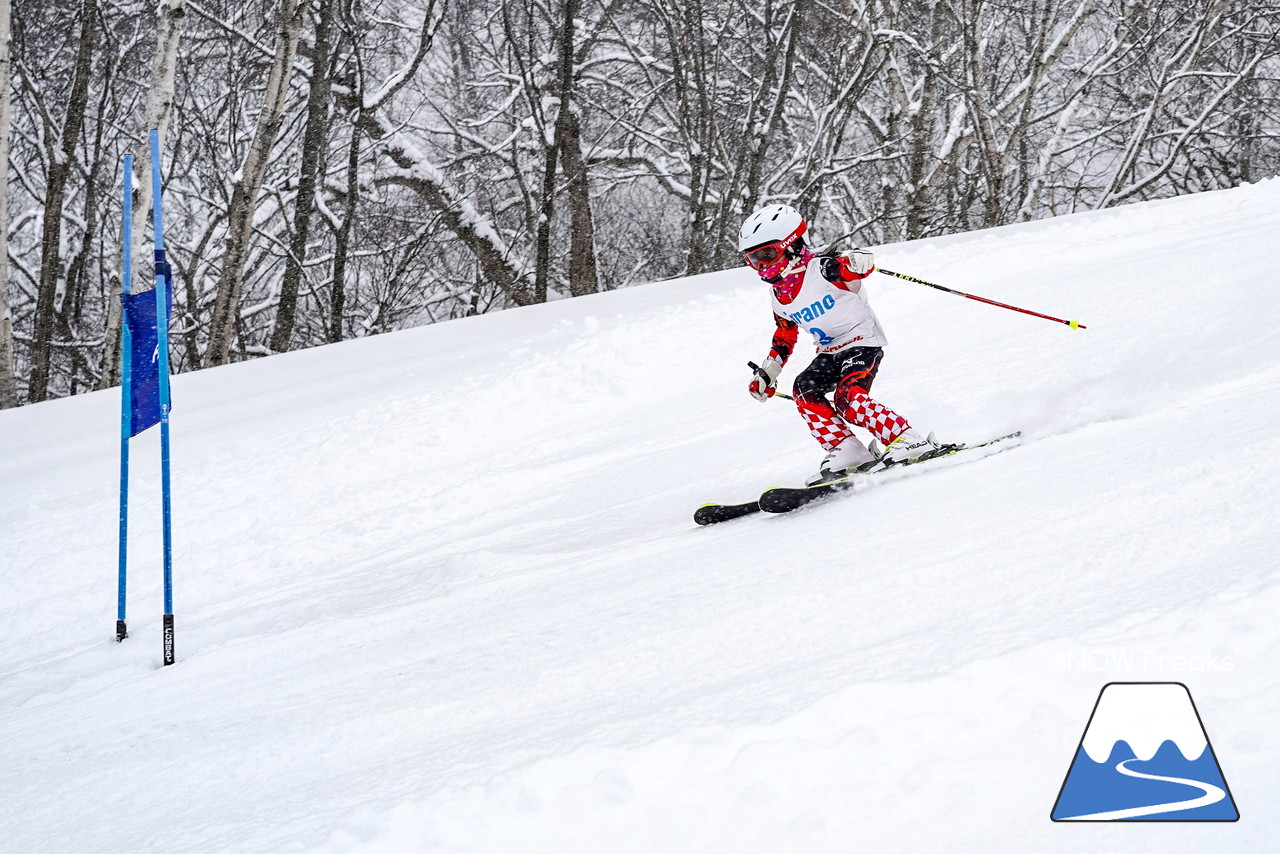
(765, 377)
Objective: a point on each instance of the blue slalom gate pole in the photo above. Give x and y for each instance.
(162, 352)
(126, 344)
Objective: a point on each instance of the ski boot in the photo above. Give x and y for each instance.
(849, 455)
(911, 447)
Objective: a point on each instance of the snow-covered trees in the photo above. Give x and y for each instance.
(337, 168)
(8, 386)
(170, 16)
(62, 112)
(252, 172)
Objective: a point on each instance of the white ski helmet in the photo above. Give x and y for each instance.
(769, 232)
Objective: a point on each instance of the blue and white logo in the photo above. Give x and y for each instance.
(1145, 756)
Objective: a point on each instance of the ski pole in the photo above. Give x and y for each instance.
(1074, 324)
(762, 375)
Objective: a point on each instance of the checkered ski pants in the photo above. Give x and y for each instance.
(850, 374)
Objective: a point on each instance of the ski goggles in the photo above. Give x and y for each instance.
(772, 252)
(763, 256)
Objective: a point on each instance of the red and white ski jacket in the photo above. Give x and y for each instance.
(836, 313)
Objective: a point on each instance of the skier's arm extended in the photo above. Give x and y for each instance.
(848, 269)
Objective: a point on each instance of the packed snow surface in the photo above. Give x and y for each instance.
(441, 591)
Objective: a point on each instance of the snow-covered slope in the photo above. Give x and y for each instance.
(440, 590)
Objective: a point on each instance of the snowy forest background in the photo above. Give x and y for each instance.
(339, 168)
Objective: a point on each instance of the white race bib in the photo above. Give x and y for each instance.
(836, 318)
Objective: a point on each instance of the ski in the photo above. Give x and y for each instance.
(710, 514)
(784, 499)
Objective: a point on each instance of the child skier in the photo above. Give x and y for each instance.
(823, 295)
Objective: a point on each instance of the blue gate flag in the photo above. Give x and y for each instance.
(144, 356)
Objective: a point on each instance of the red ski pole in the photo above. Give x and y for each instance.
(1074, 324)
